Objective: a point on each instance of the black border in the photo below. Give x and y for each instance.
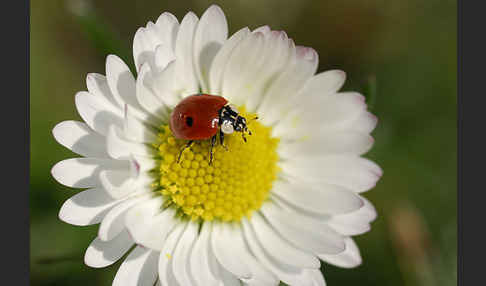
(471, 117)
(15, 118)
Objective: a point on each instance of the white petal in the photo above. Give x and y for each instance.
(186, 82)
(138, 269)
(352, 172)
(315, 276)
(262, 29)
(123, 87)
(200, 256)
(303, 232)
(118, 184)
(84, 172)
(354, 223)
(98, 86)
(147, 40)
(101, 253)
(163, 84)
(87, 207)
(277, 100)
(167, 26)
(335, 112)
(120, 148)
(229, 279)
(114, 221)
(180, 263)
(323, 84)
(79, 138)
(210, 35)
(158, 227)
(146, 96)
(98, 114)
(240, 69)
(340, 109)
(323, 143)
(120, 80)
(142, 52)
(166, 275)
(226, 277)
(163, 56)
(219, 62)
(139, 218)
(365, 123)
(260, 275)
(278, 248)
(322, 199)
(221, 242)
(276, 52)
(288, 274)
(348, 259)
(135, 130)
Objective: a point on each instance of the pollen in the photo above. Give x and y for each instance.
(235, 184)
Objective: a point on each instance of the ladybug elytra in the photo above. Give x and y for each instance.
(202, 117)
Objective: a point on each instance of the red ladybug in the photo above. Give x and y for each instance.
(203, 116)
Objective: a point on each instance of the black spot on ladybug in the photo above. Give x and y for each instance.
(189, 121)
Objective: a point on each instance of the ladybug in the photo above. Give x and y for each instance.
(204, 116)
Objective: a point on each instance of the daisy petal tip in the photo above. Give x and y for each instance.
(307, 53)
(111, 58)
(90, 77)
(89, 261)
(62, 214)
(377, 171)
(374, 117)
(214, 8)
(263, 29)
(361, 98)
(341, 74)
(165, 15)
(190, 16)
(258, 35)
(56, 172)
(79, 95)
(57, 129)
(137, 36)
(65, 215)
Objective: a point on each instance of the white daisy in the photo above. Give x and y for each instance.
(264, 211)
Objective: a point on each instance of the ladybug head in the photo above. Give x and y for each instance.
(232, 121)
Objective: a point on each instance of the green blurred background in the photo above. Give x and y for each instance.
(400, 54)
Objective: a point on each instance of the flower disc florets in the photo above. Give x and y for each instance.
(235, 184)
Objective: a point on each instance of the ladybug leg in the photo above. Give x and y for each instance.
(221, 140)
(213, 142)
(184, 148)
(243, 135)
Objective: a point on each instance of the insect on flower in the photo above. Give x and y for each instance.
(203, 116)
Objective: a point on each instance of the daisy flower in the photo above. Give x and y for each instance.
(263, 211)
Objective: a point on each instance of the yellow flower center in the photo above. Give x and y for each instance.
(236, 183)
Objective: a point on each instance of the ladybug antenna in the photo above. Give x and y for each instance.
(256, 117)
